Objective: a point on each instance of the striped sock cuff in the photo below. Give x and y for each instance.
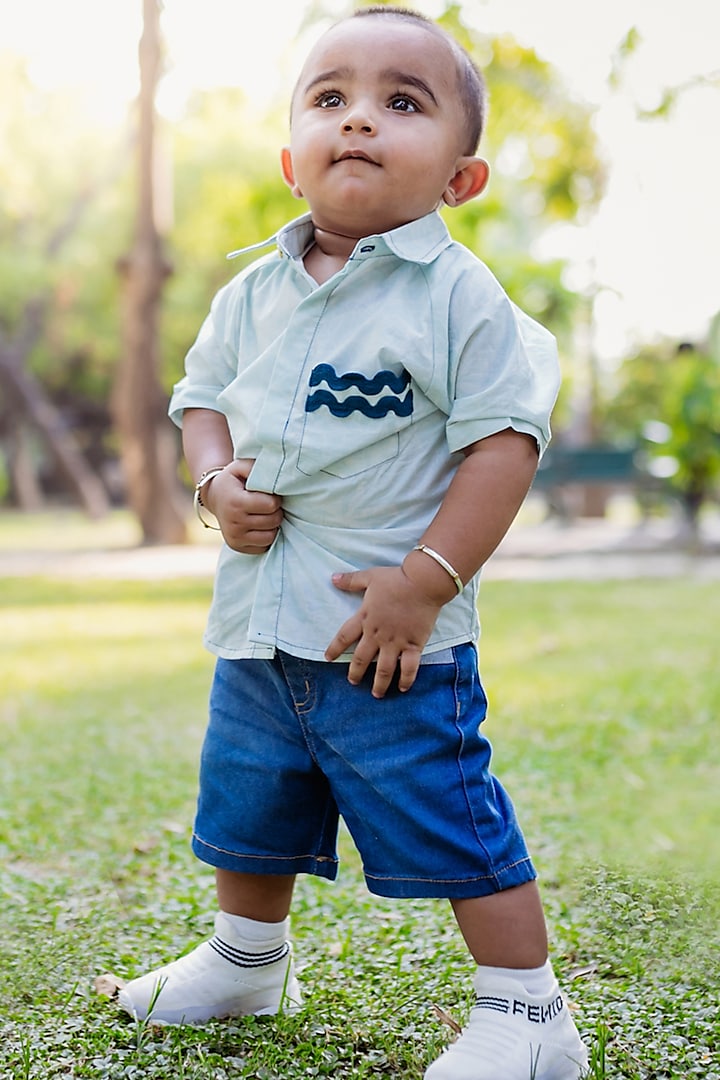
(244, 959)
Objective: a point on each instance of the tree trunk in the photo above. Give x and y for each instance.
(25, 490)
(147, 446)
(28, 400)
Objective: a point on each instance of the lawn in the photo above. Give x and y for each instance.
(604, 705)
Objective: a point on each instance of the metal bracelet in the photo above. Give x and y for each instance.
(199, 505)
(441, 561)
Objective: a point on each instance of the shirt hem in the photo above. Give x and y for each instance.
(256, 651)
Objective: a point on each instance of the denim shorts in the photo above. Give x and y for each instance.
(291, 746)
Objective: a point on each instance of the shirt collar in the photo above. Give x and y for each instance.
(419, 241)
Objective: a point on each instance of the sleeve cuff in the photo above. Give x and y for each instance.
(191, 397)
(464, 432)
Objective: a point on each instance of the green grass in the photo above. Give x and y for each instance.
(64, 529)
(604, 705)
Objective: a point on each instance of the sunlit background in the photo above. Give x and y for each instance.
(653, 245)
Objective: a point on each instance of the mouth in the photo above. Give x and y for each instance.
(355, 155)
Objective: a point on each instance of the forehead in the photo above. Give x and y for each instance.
(375, 46)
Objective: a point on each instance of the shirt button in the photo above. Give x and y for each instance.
(366, 248)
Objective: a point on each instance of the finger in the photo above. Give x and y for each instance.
(261, 538)
(257, 522)
(363, 656)
(254, 542)
(384, 671)
(259, 502)
(245, 549)
(241, 467)
(348, 633)
(409, 667)
(353, 581)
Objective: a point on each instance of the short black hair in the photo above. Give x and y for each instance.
(471, 84)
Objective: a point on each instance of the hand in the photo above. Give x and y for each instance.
(391, 626)
(249, 519)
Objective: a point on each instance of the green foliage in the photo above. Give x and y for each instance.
(670, 95)
(64, 218)
(691, 408)
(545, 169)
(229, 193)
(56, 167)
(627, 48)
(670, 400)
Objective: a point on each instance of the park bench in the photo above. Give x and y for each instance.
(589, 473)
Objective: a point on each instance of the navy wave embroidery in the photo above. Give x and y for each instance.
(400, 402)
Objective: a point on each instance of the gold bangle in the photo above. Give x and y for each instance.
(199, 505)
(444, 563)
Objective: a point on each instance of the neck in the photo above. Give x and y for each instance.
(344, 236)
(334, 243)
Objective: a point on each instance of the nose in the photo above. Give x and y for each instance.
(359, 118)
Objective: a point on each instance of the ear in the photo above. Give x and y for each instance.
(469, 180)
(288, 172)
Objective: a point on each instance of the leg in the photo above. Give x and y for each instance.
(520, 1026)
(506, 929)
(262, 897)
(246, 967)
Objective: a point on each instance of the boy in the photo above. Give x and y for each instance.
(363, 416)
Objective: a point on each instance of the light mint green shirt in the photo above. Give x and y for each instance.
(356, 398)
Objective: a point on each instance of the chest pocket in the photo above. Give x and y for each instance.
(353, 421)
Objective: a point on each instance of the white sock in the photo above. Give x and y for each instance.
(540, 982)
(251, 930)
(247, 943)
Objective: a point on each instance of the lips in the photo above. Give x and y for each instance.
(356, 155)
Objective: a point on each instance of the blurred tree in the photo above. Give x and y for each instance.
(67, 208)
(546, 172)
(27, 248)
(690, 404)
(668, 401)
(139, 405)
(670, 95)
(228, 193)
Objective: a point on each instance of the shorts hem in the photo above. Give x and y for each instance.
(222, 859)
(407, 888)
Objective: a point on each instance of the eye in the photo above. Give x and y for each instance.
(329, 99)
(403, 103)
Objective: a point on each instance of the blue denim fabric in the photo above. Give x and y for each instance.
(290, 745)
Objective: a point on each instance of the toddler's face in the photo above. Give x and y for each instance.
(377, 126)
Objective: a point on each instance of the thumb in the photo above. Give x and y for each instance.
(353, 581)
(241, 467)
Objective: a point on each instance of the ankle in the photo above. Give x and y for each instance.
(538, 981)
(253, 929)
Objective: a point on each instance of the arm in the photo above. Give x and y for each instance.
(249, 520)
(480, 506)
(401, 604)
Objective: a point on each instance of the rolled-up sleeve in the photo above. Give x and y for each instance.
(506, 374)
(211, 363)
